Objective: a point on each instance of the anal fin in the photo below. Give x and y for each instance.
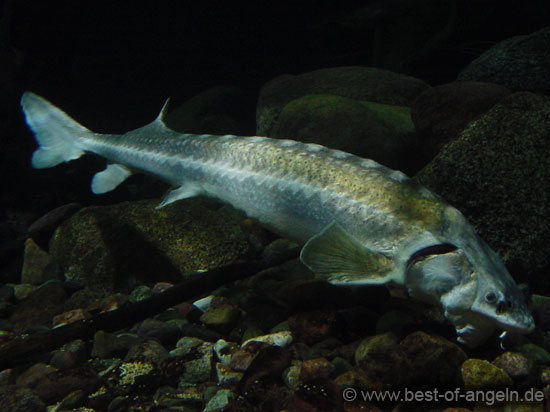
(110, 178)
(340, 258)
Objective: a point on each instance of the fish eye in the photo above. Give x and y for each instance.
(491, 297)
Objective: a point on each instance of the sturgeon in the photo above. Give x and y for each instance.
(361, 223)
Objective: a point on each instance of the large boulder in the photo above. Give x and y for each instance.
(497, 172)
(440, 113)
(113, 248)
(354, 82)
(520, 63)
(381, 132)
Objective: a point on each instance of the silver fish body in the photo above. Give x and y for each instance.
(361, 222)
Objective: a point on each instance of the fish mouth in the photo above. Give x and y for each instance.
(522, 325)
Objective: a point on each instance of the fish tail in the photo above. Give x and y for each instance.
(58, 136)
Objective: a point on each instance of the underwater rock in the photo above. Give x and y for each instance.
(434, 361)
(70, 316)
(54, 387)
(185, 345)
(515, 364)
(318, 368)
(7, 296)
(219, 400)
(41, 230)
(536, 353)
(479, 374)
(107, 345)
(440, 113)
(140, 293)
(166, 332)
(221, 317)
(70, 355)
(224, 350)
(227, 377)
(34, 374)
(35, 261)
(38, 309)
(115, 248)
(72, 401)
(242, 357)
(312, 327)
(384, 133)
(291, 375)
(545, 376)
(520, 63)
(317, 396)
(13, 398)
(198, 365)
(497, 173)
(282, 339)
(150, 350)
(22, 290)
(132, 377)
(382, 359)
(218, 110)
(354, 82)
(167, 397)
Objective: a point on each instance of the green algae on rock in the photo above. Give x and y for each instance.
(384, 133)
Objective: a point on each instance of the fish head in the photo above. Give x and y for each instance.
(474, 289)
(498, 296)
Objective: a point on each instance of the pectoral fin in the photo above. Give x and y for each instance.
(342, 259)
(188, 189)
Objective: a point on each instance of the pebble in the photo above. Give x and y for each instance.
(227, 377)
(479, 374)
(169, 397)
(515, 364)
(219, 400)
(221, 318)
(198, 370)
(34, 374)
(312, 327)
(150, 349)
(223, 351)
(185, 345)
(106, 345)
(282, 339)
(204, 303)
(22, 291)
(69, 317)
(312, 369)
(166, 332)
(536, 353)
(70, 355)
(140, 293)
(291, 375)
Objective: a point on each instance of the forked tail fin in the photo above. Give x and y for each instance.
(56, 133)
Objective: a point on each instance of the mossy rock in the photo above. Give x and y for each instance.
(381, 132)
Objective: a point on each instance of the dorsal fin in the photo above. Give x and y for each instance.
(157, 126)
(163, 110)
